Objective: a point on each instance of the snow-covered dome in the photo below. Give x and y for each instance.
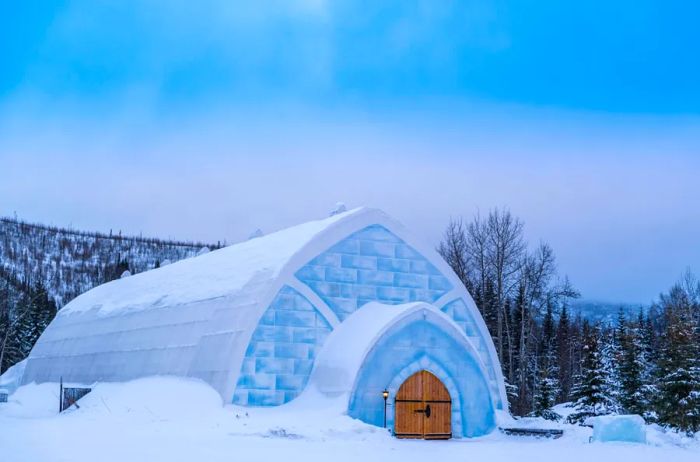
(251, 319)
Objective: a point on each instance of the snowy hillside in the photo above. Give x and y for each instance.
(42, 268)
(172, 419)
(69, 262)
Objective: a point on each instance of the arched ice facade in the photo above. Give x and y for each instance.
(254, 319)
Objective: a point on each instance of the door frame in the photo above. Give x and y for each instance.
(426, 410)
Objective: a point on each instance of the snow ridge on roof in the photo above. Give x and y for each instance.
(215, 274)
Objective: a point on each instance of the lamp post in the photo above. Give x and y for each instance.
(385, 395)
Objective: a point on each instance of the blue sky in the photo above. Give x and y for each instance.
(208, 119)
(622, 56)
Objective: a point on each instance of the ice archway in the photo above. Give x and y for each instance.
(380, 346)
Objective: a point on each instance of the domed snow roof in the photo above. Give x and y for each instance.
(220, 273)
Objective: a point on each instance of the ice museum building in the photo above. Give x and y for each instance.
(351, 307)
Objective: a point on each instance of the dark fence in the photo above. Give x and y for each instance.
(536, 432)
(71, 395)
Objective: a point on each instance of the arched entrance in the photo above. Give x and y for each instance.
(423, 408)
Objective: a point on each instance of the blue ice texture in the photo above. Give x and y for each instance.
(626, 428)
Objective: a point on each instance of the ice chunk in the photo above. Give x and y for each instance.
(629, 428)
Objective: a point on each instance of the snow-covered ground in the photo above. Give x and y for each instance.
(173, 419)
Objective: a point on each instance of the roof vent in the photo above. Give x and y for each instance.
(257, 233)
(339, 208)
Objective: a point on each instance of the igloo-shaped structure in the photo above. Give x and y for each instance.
(350, 305)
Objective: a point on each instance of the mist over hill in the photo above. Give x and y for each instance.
(606, 312)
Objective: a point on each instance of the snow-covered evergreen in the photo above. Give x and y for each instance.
(678, 399)
(591, 392)
(548, 387)
(634, 369)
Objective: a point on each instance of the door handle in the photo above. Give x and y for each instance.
(425, 411)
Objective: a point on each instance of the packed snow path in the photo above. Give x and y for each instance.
(180, 420)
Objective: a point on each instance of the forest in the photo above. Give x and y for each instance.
(646, 364)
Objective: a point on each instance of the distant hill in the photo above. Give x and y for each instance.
(606, 312)
(68, 262)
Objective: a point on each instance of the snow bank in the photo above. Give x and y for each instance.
(628, 428)
(564, 410)
(152, 397)
(167, 397)
(665, 437)
(32, 400)
(182, 402)
(10, 380)
(183, 420)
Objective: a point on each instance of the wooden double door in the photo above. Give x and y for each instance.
(423, 408)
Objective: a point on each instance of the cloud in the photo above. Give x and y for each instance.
(615, 197)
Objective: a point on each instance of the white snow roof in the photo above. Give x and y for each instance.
(215, 274)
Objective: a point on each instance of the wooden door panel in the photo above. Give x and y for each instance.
(412, 388)
(409, 423)
(438, 425)
(433, 389)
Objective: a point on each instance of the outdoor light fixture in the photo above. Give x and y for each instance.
(385, 395)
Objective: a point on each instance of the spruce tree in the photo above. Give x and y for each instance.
(564, 345)
(24, 325)
(547, 388)
(590, 390)
(632, 368)
(611, 356)
(650, 356)
(41, 312)
(677, 402)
